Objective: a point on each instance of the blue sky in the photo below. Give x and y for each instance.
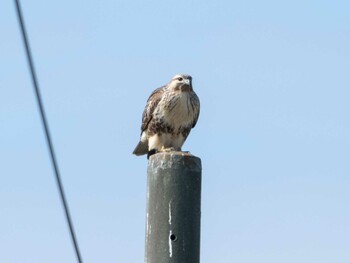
(273, 134)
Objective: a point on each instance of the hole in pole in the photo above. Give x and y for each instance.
(173, 237)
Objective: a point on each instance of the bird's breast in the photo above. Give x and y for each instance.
(177, 110)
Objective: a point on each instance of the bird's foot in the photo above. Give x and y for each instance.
(170, 149)
(163, 149)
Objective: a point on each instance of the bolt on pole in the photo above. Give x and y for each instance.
(173, 208)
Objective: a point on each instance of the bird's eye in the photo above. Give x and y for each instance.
(180, 79)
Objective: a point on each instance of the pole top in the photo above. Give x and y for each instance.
(174, 159)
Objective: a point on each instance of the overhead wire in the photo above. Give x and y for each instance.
(46, 130)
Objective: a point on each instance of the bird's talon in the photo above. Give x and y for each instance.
(171, 149)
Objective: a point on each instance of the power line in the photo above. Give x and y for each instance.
(46, 129)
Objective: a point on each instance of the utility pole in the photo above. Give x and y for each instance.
(173, 208)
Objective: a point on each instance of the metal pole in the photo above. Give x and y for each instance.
(173, 208)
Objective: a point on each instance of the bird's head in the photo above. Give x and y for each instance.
(181, 82)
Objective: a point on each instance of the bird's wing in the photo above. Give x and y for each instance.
(152, 103)
(196, 105)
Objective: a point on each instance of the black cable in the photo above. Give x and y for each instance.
(46, 128)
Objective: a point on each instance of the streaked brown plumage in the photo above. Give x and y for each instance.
(170, 114)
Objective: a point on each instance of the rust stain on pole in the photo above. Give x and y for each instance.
(173, 208)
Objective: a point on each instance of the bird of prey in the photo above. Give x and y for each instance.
(170, 114)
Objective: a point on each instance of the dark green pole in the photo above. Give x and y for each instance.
(173, 208)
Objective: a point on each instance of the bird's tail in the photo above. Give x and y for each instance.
(141, 148)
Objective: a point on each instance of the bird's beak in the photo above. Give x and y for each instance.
(188, 82)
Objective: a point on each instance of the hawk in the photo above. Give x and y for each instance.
(170, 114)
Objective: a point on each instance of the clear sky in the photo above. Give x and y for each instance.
(273, 135)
